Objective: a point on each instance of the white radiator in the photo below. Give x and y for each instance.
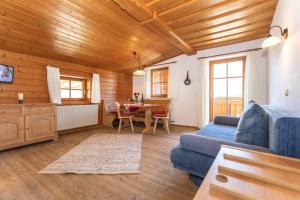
(75, 116)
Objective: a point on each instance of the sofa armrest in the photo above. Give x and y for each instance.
(211, 146)
(227, 120)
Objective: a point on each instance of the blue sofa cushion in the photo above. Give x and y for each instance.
(191, 162)
(253, 126)
(227, 120)
(284, 132)
(218, 131)
(210, 146)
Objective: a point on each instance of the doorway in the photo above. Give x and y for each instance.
(227, 87)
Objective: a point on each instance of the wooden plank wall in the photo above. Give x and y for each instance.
(30, 79)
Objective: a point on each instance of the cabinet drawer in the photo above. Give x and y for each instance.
(39, 110)
(6, 111)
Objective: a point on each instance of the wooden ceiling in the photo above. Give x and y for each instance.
(104, 33)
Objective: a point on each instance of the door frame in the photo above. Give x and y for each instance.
(211, 85)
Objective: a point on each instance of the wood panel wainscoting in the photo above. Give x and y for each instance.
(26, 124)
(30, 78)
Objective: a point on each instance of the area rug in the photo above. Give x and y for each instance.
(101, 154)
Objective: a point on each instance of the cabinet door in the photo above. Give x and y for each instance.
(40, 126)
(11, 130)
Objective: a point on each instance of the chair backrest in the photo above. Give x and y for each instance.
(169, 109)
(110, 107)
(118, 106)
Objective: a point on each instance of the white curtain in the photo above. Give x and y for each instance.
(148, 83)
(203, 107)
(172, 82)
(95, 95)
(53, 79)
(255, 87)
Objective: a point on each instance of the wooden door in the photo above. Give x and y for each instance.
(11, 130)
(227, 87)
(39, 126)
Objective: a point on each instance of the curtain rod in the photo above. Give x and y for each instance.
(163, 64)
(225, 54)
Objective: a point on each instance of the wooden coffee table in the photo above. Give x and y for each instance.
(245, 174)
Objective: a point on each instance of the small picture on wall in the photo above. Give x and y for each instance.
(6, 73)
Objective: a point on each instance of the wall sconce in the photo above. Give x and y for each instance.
(20, 98)
(274, 40)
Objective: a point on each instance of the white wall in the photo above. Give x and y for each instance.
(185, 106)
(284, 59)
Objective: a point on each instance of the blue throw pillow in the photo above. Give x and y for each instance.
(253, 126)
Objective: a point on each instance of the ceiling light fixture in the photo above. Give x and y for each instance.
(274, 40)
(139, 71)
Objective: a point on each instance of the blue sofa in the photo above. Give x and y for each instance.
(196, 152)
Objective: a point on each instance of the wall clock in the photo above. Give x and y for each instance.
(187, 81)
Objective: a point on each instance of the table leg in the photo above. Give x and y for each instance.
(148, 120)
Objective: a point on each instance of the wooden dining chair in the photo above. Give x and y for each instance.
(163, 115)
(123, 115)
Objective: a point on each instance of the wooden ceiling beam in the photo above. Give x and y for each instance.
(177, 7)
(228, 26)
(153, 2)
(218, 10)
(264, 9)
(250, 34)
(139, 5)
(229, 42)
(223, 34)
(103, 34)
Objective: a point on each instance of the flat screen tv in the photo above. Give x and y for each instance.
(6, 74)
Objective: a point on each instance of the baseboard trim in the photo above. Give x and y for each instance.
(180, 125)
(74, 130)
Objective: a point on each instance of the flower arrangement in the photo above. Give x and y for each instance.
(136, 96)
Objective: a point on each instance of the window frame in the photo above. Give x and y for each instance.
(211, 79)
(152, 83)
(84, 89)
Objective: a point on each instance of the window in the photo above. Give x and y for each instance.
(159, 82)
(226, 85)
(73, 89)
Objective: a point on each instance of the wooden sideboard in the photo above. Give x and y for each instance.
(245, 174)
(22, 124)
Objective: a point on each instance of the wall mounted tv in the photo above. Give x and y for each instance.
(6, 74)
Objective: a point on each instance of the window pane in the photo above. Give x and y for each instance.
(235, 68)
(235, 87)
(220, 70)
(160, 76)
(77, 85)
(76, 94)
(64, 84)
(157, 76)
(160, 82)
(165, 75)
(220, 88)
(65, 93)
(159, 89)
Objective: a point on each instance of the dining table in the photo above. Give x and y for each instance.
(148, 113)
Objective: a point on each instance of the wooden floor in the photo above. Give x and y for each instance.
(158, 179)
